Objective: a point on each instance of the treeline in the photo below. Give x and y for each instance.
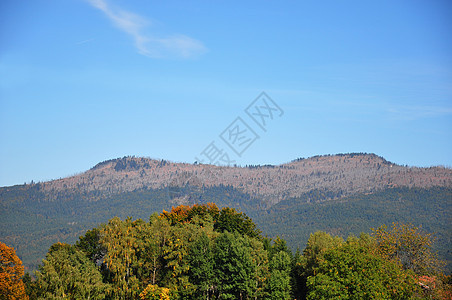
(203, 252)
(351, 155)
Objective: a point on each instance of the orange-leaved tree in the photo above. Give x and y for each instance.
(11, 272)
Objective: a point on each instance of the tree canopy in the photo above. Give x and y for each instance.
(11, 272)
(203, 252)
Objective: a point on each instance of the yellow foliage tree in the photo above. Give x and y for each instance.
(154, 292)
(408, 245)
(11, 272)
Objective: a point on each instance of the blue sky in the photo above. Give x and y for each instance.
(82, 81)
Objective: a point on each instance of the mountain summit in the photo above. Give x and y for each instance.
(342, 175)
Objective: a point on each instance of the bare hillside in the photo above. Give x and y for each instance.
(342, 175)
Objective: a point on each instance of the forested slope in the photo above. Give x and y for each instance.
(340, 194)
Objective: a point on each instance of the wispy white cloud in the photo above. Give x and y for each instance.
(84, 41)
(410, 113)
(147, 44)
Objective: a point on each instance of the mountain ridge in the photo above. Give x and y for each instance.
(344, 174)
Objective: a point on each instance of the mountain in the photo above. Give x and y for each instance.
(342, 194)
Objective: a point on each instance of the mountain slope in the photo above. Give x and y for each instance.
(430, 209)
(344, 175)
(282, 199)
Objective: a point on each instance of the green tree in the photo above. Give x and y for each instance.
(260, 261)
(176, 260)
(67, 273)
(279, 282)
(91, 246)
(31, 286)
(234, 266)
(230, 220)
(202, 267)
(317, 244)
(353, 271)
(279, 245)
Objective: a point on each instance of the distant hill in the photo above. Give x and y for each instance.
(343, 174)
(344, 193)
